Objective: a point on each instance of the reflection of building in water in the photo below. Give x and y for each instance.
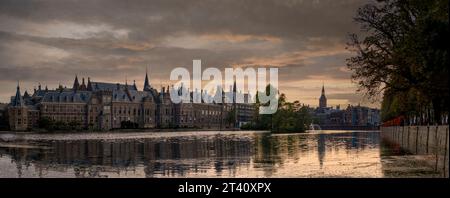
(257, 155)
(275, 150)
(166, 157)
(321, 148)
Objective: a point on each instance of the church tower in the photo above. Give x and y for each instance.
(323, 99)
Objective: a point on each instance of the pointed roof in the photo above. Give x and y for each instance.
(76, 84)
(323, 89)
(26, 95)
(323, 92)
(83, 86)
(147, 86)
(18, 101)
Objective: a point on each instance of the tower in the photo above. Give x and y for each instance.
(323, 99)
(18, 113)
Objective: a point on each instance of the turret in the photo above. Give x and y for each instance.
(18, 100)
(18, 113)
(147, 86)
(76, 84)
(82, 86)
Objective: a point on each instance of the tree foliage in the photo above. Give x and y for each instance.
(402, 52)
(290, 116)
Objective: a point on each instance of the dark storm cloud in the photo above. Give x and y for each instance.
(109, 39)
(289, 18)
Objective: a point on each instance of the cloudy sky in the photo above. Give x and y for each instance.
(51, 41)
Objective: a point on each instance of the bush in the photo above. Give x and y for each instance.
(128, 125)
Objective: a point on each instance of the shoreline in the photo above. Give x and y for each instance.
(172, 131)
(124, 131)
(117, 136)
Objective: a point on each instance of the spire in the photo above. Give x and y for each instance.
(25, 94)
(83, 85)
(323, 88)
(18, 98)
(76, 84)
(147, 86)
(234, 92)
(323, 98)
(89, 85)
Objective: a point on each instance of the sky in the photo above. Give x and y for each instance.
(49, 42)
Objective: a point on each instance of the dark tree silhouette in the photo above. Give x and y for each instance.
(403, 48)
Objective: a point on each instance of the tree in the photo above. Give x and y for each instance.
(74, 125)
(45, 123)
(290, 116)
(231, 117)
(403, 51)
(128, 125)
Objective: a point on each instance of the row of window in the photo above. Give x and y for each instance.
(63, 108)
(130, 111)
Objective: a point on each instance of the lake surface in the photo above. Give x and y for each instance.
(206, 154)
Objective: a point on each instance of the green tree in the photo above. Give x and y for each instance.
(290, 116)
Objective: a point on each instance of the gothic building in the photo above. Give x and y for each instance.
(105, 106)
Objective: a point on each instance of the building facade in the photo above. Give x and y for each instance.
(105, 106)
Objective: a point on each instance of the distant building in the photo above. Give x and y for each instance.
(105, 106)
(323, 99)
(351, 117)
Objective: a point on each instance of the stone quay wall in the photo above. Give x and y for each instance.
(422, 140)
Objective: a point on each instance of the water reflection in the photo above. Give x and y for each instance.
(219, 154)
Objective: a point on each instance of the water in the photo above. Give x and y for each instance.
(206, 154)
